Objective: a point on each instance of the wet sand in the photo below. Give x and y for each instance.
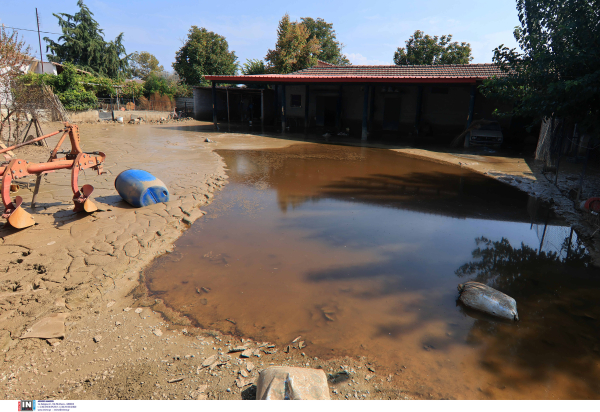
(80, 264)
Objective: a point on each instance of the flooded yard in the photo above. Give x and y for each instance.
(360, 252)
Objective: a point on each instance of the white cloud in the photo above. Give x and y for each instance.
(359, 59)
(482, 49)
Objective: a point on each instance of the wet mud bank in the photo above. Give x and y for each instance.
(121, 343)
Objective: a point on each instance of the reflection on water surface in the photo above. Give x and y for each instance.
(360, 251)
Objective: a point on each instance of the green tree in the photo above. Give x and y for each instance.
(557, 73)
(293, 50)
(331, 49)
(421, 48)
(144, 63)
(204, 53)
(82, 44)
(254, 66)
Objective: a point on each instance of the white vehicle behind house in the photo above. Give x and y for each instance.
(486, 135)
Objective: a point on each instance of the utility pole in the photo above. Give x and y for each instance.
(39, 38)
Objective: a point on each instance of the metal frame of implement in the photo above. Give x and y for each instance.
(75, 160)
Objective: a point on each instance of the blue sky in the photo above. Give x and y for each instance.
(370, 30)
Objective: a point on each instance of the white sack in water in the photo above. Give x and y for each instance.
(478, 296)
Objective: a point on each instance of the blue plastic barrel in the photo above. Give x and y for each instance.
(139, 188)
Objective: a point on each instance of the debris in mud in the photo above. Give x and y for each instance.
(176, 379)
(480, 297)
(52, 326)
(238, 349)
(209, 361)
(282, 382)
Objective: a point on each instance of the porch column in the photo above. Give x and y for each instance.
(228, 118)
(275, 104)
(214, 98)
(365, 119)
(471, 106)
(306, 100)
(470, 119)
(283, 108)
(371, 108)
(262, 108)
(418, 112)
(338, 111)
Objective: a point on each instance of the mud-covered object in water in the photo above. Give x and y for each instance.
(480, 297)
(139, 188)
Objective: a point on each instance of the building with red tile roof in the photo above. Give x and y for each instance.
(396, 101)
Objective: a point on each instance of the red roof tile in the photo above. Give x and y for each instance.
(457, 73)
(447, 70)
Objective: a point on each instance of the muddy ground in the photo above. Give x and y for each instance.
(121, 344)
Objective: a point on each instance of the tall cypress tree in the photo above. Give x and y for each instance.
(82, 44)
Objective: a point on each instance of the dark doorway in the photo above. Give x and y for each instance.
(391, 113)
(325, 110)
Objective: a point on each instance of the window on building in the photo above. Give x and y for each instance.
(296, 100)
(439, 90)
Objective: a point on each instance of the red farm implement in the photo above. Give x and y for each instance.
(74, 160)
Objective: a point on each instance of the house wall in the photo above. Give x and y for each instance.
(444, 107)
(239, 101)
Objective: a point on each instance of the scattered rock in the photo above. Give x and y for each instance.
(109, 304)
(241, 382)
(60, 302)
(244, 373)
(176, 379)
(238, 349)
(297, 339)
(126, 309)
(209, 361)
(230, 320)
(139, 310)
(157, 332)
(249, 366)
(247, 353)
(200, 393)
(301, 344)
(97, 338)
(207, 140)
(117, 323)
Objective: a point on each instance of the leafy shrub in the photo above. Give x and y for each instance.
(78, 100)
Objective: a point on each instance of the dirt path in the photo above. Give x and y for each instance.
(120, 344)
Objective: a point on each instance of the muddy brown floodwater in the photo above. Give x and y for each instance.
(360, 252)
